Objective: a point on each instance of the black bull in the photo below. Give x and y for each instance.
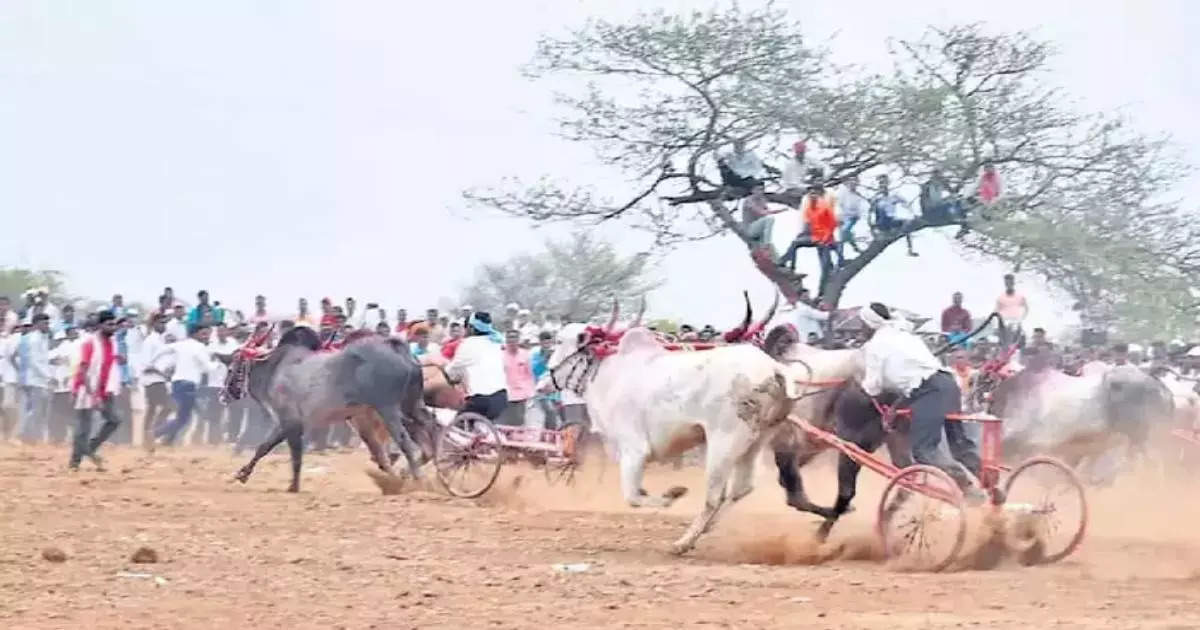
(852, 415)
(305, 388)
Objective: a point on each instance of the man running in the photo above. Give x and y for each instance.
(897, 361)
(96, 385)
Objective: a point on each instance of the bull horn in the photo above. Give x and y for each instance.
(757, 328)
(749, 313)
(616, 311)
(637, 321)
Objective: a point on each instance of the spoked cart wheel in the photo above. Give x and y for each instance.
(922, 519)
(582, 466)
(467, 455)
(1046, 503)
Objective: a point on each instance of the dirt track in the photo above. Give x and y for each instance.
(341, 555)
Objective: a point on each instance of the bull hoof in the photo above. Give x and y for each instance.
(678, 548)
(294, 488)
(242, 475)
(674, 493)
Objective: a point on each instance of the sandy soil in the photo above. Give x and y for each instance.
(340, 555)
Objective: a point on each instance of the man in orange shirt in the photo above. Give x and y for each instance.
(820, 224)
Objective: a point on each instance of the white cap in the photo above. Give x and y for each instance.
(512, 306)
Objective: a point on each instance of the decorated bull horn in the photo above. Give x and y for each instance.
(637, 320)
(749, 313)
(616, 311)
(758, 328)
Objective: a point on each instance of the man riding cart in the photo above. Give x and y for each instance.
(897, 362)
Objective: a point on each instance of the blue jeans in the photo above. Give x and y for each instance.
(846, 235)
(184, 394)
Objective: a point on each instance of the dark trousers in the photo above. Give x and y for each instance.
(824, 257)
(490, 406)
(158, 409)
(184, 395)
(733, 180)
(124, 406)
(514, 414)
(85, 443)
(209, 414)
(551, 419)
(937, 397)
(62, 412)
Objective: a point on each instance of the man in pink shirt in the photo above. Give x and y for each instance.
(1012, 308)
(518, 373)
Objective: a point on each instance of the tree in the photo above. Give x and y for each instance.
(575, 279)
(665, 92)
(15, 281)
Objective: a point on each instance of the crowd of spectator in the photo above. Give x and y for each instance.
(172, 360)
(831, 211)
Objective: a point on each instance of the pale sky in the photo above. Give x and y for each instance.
(310, 148)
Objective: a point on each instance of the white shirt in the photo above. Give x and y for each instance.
(217, 370)
(805, 318)
(851, 204)
(8, 347)
(37, 373)
(7, 322)
(746, 164)
(192, 360)
(1094, 368)
(896, 361)
(177, 329)
(66, 357)
(795, 173)
(153, 355)
(481, 362)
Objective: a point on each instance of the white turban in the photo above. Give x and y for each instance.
(871, 318)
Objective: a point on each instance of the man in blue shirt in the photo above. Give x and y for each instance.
(539, 363)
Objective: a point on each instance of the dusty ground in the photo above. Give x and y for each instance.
(339, 555)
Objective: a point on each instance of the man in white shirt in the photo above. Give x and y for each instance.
(211, 409)
(8, 378)
(33, 374)
(808, 319)
(153, 365)
(851, 206)
(898, 362)
(741, 168)
(177, 324)
(64, 358)
(479, 361)
(799, 172)
(192, 360)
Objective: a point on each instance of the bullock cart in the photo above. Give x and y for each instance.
(470, 450)
(922, 519)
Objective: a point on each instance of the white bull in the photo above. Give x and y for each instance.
(1081, 418)
(651, 404)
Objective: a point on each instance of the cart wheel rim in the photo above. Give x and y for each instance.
(922, 520)
(467, 455)
(1047, 509)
